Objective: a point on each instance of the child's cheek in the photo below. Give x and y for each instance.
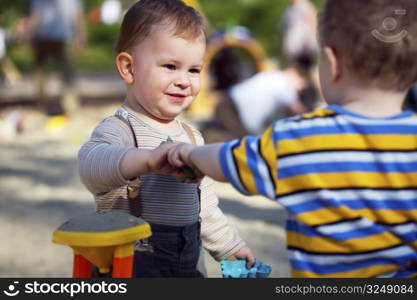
(196, 86)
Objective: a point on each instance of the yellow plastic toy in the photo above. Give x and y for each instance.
(102, 239)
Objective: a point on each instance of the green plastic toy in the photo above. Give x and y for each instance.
(189, 172)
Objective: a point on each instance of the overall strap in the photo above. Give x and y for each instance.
(133, 187)
(123, 116)
(189, 133)
(191, 136)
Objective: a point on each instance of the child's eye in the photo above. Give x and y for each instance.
(195, 70)
(169, 67)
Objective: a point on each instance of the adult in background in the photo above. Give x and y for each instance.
(299, 27)
(249, 106)
(55, 25)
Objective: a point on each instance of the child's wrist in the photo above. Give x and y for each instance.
(190, 159)
(145, 161)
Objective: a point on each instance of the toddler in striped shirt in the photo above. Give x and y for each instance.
(346, 173)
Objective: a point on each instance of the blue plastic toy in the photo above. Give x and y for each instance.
(237, 269)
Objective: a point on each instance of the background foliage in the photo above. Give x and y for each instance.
(261, 17)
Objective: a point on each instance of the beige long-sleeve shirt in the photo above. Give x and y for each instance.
(164, 199)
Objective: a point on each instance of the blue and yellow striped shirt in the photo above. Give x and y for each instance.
(349, 184)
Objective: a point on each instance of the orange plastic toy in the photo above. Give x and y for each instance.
(102, 239)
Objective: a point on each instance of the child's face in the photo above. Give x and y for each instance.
(166, 71)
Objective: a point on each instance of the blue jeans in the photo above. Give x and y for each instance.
(171, 251)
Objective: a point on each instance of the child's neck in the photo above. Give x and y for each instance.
(170, 127)
(371, 101)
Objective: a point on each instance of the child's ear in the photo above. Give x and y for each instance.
(334, 62)
(124, 63)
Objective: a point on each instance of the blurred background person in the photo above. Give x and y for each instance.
(2, 47)
(300, 46)
(249, 106)
(55, 27)
(9, 73)
(299, 27)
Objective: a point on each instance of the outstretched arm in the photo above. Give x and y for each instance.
(203, 159)
(140, 161)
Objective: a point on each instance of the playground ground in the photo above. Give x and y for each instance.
(40, 189)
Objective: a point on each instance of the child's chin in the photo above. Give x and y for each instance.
(174, 111)
(169, 116)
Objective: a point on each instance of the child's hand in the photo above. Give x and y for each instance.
(158, 163)
(244, 253)
(179, 156)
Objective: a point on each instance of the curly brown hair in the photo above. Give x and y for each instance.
(377, 39)
(144, 14)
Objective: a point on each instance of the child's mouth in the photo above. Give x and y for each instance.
(176, 98)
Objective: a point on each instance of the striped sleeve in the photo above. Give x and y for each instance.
(250, 164)
(99, 158)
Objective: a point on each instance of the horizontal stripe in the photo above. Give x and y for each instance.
(365, 225)
(401, 253)
(353, 204)
(347, 157)
(340, 142)
(349, 269)
(408, 232)
(405, 228)
(340, 232)
(346, 224)
(287, 126)
(342, 151)
(340, 267)
(337, 128)
(327, 245)
(334, 214)
(340, 125)
(333, 167)
(349, 194)
(365, 272)
(410, 237)
(347, 180)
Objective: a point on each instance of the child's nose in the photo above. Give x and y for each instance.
(182, 80)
